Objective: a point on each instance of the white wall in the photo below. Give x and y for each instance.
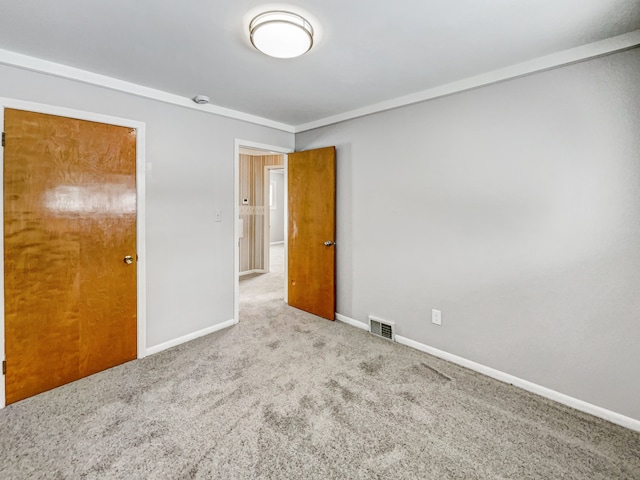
(514, 209)
(276, 229)
(190, 157)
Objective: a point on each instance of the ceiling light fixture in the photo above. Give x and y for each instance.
(281, 34)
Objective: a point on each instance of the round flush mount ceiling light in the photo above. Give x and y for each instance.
(281, 34)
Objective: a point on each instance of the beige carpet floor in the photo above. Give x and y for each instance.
(287, 395)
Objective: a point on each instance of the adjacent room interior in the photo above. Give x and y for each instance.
(261, 223)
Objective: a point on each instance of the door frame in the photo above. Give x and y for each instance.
(141, 280)
(238, 144)
(267, 213)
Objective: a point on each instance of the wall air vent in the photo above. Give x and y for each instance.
(382, 328)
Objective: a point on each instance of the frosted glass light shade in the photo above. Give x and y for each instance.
(281, 34)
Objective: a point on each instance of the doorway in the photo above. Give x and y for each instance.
(275, 218)
(309, 242)
(254, 199)
(256, 202)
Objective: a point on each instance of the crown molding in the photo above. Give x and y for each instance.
(566, 57)
(555, 60)
(34, 64)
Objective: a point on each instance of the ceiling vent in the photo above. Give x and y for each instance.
(382, 328)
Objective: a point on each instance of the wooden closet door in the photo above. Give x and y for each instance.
(69, 223)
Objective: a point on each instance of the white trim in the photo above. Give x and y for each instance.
(581, 405)
(613, 417)
(352, 322)
(34, 64)
(277, 243)
(191, 336)
(266, 234)
(566, 57)
(141, 238)
(238, 144)
(140, 127)
(285, 286)
(249, 272)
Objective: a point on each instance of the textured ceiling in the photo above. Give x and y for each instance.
(368, 51)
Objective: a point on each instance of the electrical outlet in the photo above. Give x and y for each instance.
(436, 317)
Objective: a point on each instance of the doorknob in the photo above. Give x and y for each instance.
(128, 259)
(328, 243)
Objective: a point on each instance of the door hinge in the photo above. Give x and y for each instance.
(3, 139)
(4, 367)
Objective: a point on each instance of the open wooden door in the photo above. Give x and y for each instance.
(69, 250)
(312, 231)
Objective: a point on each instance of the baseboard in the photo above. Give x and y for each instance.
(613, 417)
(189, 337)
(581, 405)
(277, 243)
(352, 322)
(249, 272)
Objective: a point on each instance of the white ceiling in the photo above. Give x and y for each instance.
(368, 51)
